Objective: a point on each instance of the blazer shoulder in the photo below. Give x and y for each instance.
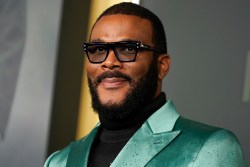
(214, 146)
(59, 158)
(221, 149)
(194, 127)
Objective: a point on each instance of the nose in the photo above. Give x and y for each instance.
(111, 61)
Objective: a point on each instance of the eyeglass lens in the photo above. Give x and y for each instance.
(98, 53)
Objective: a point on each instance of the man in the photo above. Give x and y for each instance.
(138, 127)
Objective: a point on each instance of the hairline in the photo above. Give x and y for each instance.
(99, 18)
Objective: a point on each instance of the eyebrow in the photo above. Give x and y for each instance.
(97, 40)
(126, 39)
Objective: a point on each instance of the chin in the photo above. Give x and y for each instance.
(116, 97)
(111, 101)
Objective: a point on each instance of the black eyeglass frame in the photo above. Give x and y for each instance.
(111, 45)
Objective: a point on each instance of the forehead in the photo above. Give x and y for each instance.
(120, 27)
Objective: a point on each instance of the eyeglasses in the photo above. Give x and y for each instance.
(125, 51)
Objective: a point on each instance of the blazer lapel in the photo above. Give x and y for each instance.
(154, 135)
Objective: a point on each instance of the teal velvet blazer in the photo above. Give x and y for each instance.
(165, 140)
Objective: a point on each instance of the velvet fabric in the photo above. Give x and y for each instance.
(167, 140)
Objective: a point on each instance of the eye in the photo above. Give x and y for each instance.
(97, 49)
(128, 48)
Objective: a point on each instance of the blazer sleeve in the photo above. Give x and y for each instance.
(221, 149)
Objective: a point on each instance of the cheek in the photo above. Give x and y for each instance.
(140, 67)
(91, 70)
(137, 73)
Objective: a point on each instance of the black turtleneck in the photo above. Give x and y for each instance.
(113, 135)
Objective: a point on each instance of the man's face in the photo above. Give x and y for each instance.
(112, 81)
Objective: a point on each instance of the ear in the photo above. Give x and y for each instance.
(163, 65)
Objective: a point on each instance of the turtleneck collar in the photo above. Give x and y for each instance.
(137, 118)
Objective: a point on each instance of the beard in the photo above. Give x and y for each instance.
(141, 93)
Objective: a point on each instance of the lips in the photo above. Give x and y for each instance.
(113, 83)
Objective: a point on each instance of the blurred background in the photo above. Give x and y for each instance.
(44, 100)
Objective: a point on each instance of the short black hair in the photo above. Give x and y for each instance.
(128, 8)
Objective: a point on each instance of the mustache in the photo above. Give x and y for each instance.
(112, 74)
